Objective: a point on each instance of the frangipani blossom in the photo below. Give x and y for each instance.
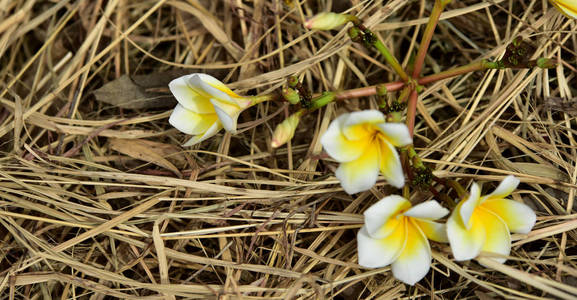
(364, 144)
(567, 7)
(205, 105)
(484, 223)
(394, 233)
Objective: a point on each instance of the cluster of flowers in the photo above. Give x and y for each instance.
(394, 233)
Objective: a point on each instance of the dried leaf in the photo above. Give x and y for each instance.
(484, 296)
(141, 150)
(139, 92)
(559, 104)
(170, 152)
(540, 170)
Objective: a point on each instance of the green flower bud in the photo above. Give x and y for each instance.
(293, 81)
(322, 100)
(546, 63)
(291, 95)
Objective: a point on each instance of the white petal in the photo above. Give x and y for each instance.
(338, 146)
(379, 213)
(211, 86)
(359, 124)
(465, 243)
(188, 97)
(505, 188)
(519, 217)
(227, 114)
(361, 174)
(396, 133)
(567, 7)
(414, 261)
(469, 205)
(243, 102)
(371, 116)
(498, 238)
(433, 231)
(190, 122)
(430, 210)
(376, 253)
(390, 165)
(209, 133)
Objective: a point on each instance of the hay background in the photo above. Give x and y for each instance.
(99, 201)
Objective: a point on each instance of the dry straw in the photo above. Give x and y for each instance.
(100, 201)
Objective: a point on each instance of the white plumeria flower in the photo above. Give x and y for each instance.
(364, 144)
(567, 7)
(484, 223)
(205, 105)
(394, 233)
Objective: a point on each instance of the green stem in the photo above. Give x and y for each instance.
(414, 157)
(261, 98)
(368, 91)
(404, 94)
(406, 192)
(458, 188)
(391, 60)
(427, 36)
(443, 197)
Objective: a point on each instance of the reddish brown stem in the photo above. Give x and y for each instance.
(368, 91)
(427, 35)
(412, 111)
(481, 65)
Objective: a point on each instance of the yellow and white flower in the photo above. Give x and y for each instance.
(205, 105)
(484, 223)
(396, 234)
(567, 7)
(364, 144)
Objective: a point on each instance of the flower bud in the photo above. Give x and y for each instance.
(291, 95)
(322, 100)
(546, 63)
(285, 131)
(293, 81)
(355, 34)
(328, 21)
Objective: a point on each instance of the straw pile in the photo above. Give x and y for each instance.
(98, 200)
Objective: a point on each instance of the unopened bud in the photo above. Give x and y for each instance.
(322, 100)
(328, 21)
(293, 81)
(382, 90)
(291, 95)
(394, 117)
(355, 34)
(546, 63)
(285, 131)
